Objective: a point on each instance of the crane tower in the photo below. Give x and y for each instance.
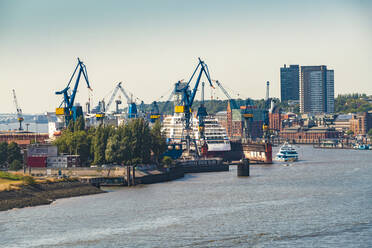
(19, 111)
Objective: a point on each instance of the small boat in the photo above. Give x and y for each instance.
(361, 147)
(287, 153)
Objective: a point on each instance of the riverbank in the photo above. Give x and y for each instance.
(44, 193)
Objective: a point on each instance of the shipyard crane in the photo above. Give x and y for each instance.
(154, 112)
(132, 108)
(19, 111)
(187, 96)
(67, 108)
(231, 100)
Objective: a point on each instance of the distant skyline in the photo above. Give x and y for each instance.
(149, 45)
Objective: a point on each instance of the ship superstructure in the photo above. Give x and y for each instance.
(214, 134)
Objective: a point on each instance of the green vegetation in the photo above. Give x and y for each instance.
(167, 161)
(370, 132)
(10, 176)
(130, 144)
(15, 165)
(10, 154)
(28, 180)
(352, 103)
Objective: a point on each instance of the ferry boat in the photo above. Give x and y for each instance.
(287, 153)
(215, 135)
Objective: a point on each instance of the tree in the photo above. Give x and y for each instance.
(15, 165)
(79, 124)
(167, 161)
(158, 141)
(349, 132)
(14, 153)
(136, 142)
(99, 143)
(3, 153)
(113, 152)
(370, 132)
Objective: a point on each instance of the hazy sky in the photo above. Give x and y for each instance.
(149, 45)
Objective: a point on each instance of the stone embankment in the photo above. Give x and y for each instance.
(44, 193)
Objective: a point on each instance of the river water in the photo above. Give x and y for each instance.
(324, 200)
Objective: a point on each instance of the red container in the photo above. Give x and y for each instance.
(37, 161)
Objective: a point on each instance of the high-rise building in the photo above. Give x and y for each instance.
(316, 89)
(289, 82)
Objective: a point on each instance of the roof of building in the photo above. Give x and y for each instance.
(343, 117)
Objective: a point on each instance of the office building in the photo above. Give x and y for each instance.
(316, 89)
(289, 83)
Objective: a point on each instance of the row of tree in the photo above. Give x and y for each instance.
(131, 143)
(347, 103)
(352, 103)
(10, 156)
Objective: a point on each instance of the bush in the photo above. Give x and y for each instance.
(15, 165)
(167, 161)
(28, 180)
(9, 176)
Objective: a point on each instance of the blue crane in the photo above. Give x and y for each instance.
(188, 97)
(69, 111)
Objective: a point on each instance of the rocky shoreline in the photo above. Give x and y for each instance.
(44, 193)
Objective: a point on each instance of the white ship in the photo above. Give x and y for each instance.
(215, 135)
(287, 153)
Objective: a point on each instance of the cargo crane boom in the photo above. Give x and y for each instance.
(19, 111)
(69, 111)
(232, 101)
(188, 97)
(132, 108)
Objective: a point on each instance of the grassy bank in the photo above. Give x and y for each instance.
(18, 191)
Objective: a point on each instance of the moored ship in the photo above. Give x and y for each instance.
(214, 135)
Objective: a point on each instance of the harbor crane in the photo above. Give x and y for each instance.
(19, 111)
(184, 104)
(132, 107)
(67, 108)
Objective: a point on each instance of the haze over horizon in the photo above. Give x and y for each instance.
(149, 45)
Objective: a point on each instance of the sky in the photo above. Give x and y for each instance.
(150, 45)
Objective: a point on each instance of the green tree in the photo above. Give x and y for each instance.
(349, 132)
(113, 153)
(3, 153)
(99, 143)
(158, 141)
(167, 161)
(370, 132)
(15, 165)
(14, 153)
(136, 142)
(79, 124)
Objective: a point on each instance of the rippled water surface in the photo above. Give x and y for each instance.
(324, 200)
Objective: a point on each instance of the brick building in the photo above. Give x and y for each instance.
(306, 135)
(275, 118)
(360, 124)
(245, 122)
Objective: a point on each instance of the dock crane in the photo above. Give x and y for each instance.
(69, 111)
(188, 96)
(19, 111)
(132, 107)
